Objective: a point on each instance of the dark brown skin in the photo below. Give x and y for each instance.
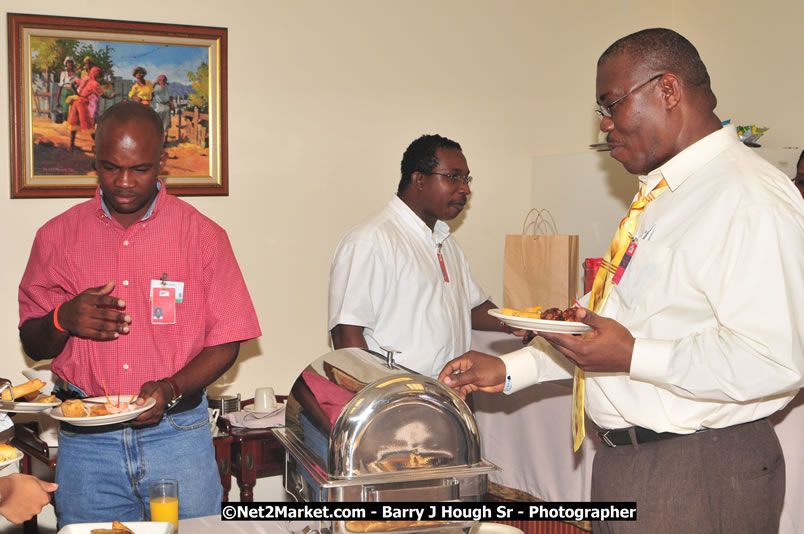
(607, 348)
(202, 370)
(646, 130)
(433, 197)
(128, 159)
(345, 335)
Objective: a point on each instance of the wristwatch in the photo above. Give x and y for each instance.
(176, 392)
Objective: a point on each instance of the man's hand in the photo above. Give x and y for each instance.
(23, 496)
(526, 335)
(93, 314)
(162, 393)
(474, 371)
(607, 348)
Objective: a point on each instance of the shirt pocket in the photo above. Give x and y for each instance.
(647, 274)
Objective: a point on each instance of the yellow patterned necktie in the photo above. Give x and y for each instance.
(602, 287)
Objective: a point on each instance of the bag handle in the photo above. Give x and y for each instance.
(539, 217)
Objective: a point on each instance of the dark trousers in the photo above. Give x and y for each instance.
(729, 480)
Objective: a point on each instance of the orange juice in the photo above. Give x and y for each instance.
(165, 509)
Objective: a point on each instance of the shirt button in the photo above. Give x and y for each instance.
(125, 243)
(125, 282)
(125, 366)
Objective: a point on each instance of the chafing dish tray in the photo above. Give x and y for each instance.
(360, 428)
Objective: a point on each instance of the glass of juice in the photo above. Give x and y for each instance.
(164, 496)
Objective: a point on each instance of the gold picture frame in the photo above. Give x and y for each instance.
(52, 135)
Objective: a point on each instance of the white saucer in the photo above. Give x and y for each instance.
(250, 409)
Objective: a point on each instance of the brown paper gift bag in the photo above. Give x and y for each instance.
(540, 269)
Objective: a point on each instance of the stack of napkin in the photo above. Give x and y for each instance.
(249, 419)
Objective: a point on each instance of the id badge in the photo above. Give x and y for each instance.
(629, 253)
(178, 287)
(163, 305)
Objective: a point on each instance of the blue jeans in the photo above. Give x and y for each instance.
(105, 476)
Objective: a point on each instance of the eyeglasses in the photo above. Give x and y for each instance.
(606, 110)
(454, 178)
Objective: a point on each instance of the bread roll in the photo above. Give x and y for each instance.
(7, 452)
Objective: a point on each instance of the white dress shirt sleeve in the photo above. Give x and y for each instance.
(538, 362)
(754, 351)
(357, 284)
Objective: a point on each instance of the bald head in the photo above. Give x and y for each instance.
(661, 50)
(128, 112)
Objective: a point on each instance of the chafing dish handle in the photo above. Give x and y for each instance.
(448, 490)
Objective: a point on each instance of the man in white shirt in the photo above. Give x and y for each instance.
(701, 338)
(399, 282)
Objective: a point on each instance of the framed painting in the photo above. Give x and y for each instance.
(64, 72)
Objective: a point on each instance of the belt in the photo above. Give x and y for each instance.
(622, 436)
(187, 403)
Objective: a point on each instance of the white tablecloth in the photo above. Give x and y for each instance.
(527, 434)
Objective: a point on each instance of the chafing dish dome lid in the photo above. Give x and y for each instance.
(356, 414)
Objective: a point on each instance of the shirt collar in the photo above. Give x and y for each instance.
(685, 163)
(147, 213)
(440, 231)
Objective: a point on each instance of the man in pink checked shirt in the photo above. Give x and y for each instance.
(88, 298)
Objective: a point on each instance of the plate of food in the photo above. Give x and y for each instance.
(98, 411)
(8, 455)
(27, 398)
(116, 527)
(551, 320)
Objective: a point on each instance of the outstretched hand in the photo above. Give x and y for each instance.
(474, 371)
(607, 348)
(95, 314)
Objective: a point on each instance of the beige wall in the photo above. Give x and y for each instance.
(325, 96)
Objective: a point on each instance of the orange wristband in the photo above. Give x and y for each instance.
(56, 319)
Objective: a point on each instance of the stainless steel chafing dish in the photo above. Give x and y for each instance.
(359, 427)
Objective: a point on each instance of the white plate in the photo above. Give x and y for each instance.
(541, 325)
(101, 420)
(6, 463)
(13, 406)
(494, 528)
(140, 527)
(250, 409)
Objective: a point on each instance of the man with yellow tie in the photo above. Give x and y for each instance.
(696, 313)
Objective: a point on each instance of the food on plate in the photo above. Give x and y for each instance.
(31, 386)
(45, 400)
(7, 452)
(550, 314)
(79, 408)
(530, 313)
(117, 528)
(74, 408)
(388, 526)
(570, 314)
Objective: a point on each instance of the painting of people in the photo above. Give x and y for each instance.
(69, 78)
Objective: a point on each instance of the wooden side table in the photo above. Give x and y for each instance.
(256, 453)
